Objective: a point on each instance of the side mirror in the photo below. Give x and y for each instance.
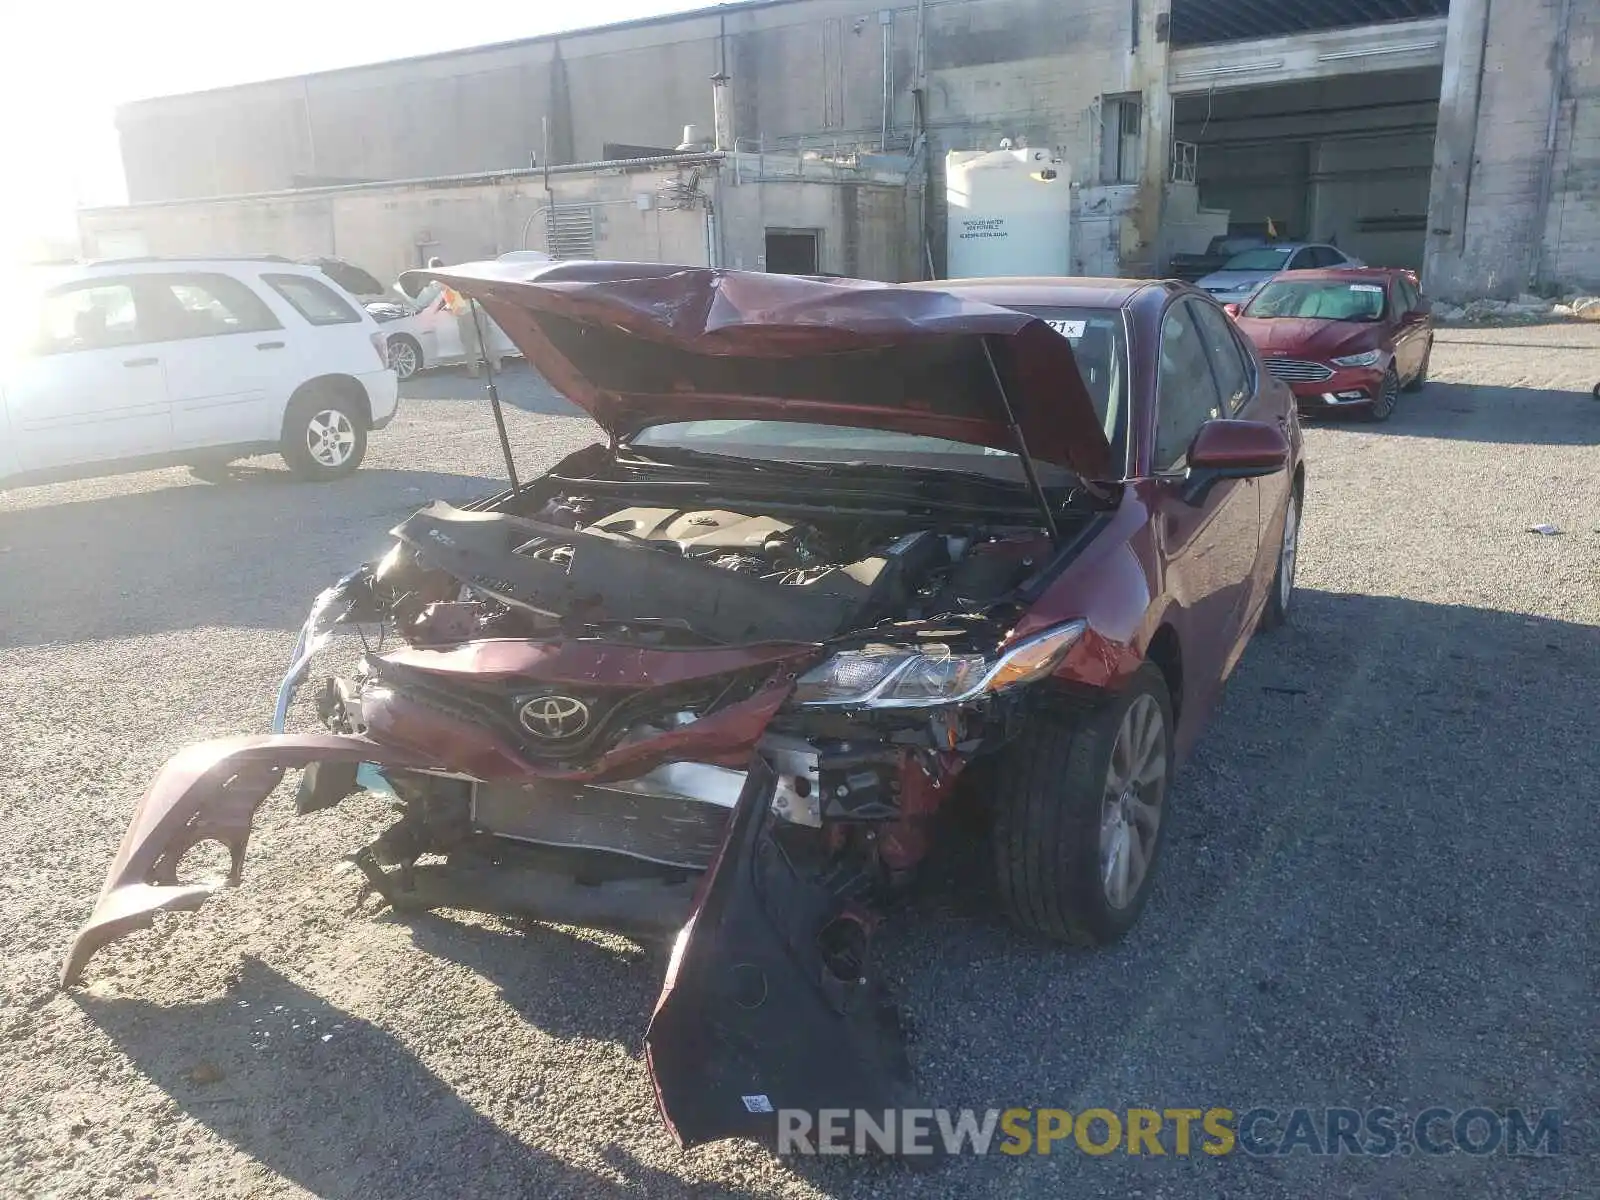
(1424, 306)
(1231, 309)
(1228, 449)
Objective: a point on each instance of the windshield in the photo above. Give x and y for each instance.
(1264, 258)
(1098, 345)
(1321, 300)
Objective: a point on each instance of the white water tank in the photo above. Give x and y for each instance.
(1009, 212)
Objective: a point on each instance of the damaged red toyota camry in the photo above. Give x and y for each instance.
(714, 679)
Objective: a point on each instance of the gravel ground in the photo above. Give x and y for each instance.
(1381, 886)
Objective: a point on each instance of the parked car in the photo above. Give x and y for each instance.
(847, 551)
(148, 362)
(423, 332)
(1241, 275)
(1194, 267)
(1343, 338)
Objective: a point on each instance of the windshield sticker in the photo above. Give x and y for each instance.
(1365, 287)
(1071, 330)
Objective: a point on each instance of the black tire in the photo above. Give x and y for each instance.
(405, 355)
(1597, 391)
(1050, 793)
(1420, 379)
(1281, 599)
(1382, 408)
(332, 410)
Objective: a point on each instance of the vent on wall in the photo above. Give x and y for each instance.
(569, 231)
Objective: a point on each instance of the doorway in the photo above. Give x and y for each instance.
(793, 251)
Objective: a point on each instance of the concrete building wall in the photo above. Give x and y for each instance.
(688, 214)
(1515, 198)
(804, 73)
(389, 229)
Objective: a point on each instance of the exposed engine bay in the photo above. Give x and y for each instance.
(695, 576)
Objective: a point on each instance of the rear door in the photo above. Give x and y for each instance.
(91, 388)
(228, 364)
(1210, 547)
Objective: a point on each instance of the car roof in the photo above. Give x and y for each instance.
(1009, 292)
(150, 264)
(1339, 274)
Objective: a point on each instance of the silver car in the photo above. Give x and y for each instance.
(1243, 274)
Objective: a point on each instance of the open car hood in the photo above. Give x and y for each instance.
(639, 344)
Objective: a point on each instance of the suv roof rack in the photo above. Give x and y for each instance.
(188, 258)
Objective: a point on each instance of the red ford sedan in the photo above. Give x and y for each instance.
(712, 678)
(1343, 338)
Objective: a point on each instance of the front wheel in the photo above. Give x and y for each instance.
(324, 436)
(1081, 815)
(1389, 392)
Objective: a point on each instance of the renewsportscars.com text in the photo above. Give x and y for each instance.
(1179, 1132)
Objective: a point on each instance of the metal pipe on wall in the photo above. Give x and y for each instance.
(886, 22)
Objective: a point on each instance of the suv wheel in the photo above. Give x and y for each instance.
(324, 436)
(1081, 815)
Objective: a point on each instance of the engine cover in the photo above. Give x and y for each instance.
(711, 529)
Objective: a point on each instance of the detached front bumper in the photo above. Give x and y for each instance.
(207, 793)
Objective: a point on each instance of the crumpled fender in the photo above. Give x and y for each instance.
(207, 792)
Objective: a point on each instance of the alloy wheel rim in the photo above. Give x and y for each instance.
(1289, 553)
(403, 359)
(331, 438)
(1130, 810)
(1391, 385)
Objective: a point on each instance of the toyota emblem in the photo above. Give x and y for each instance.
(554, 718)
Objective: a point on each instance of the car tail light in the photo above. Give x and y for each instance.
(380, 343)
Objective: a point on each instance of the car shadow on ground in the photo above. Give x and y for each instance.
(348, 1118)
(1481, 413)
(518, 384)
(276, 558)
(621, 979)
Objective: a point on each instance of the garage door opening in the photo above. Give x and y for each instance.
(1345, 160)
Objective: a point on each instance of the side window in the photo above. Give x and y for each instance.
(1406, 296)
(1303, 260)
(193, 306)
(316, 302)
(89, 316)
(1186, 394)
(1232, 380)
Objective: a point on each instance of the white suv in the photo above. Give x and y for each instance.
(140, 363)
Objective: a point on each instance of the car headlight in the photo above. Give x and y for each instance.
(905, 677)
(1358, 360)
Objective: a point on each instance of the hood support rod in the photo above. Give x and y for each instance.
(484, 357)
(1023, 456)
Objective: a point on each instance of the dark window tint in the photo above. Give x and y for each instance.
(1409, 297)
(316, 302)
(1223, 352)
(189, 306)
(89, 316)
(1186, 393)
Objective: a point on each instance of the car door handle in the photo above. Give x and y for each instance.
(269, 345)
(139, 362)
